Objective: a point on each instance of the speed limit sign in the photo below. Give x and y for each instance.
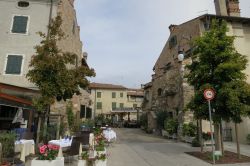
(209, 94)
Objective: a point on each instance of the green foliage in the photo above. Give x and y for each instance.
(70, 115)
(195, 142)
(160, 118)
(144, 120)
(7, 139)
(171, 125)
(88, 123)
(101, 156)
(189, 129)
(85, 155)
(55, 72)
(216, 64)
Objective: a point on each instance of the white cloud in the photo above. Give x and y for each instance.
(125, 37)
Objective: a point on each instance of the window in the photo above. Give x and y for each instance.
(172, 41)
(14, 64)
(134, 105)
(99, 94)
(23, 4)
(113, 95)
(19, 24)
(99, 105)
(121, 105)
(121, 94)
(159, 91)
(113, 105)
(85, 112)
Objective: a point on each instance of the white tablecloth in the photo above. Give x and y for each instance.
(63, 143)
(26, 147)
(109, 134)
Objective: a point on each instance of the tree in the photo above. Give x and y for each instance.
(216, 64)
(55, 72)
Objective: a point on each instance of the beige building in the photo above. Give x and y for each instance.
(168, 90)
(111, 99)
(18, 35)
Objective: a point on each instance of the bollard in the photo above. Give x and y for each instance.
(1, 152)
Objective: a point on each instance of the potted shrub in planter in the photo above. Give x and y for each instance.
(189, 132)
(47, 155)
(101, 159)
(8, 144)
(83, 159)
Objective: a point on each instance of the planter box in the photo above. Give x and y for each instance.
(59, 161)
(100, 163)
(82, 163)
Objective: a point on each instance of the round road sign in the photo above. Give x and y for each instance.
(209, 94)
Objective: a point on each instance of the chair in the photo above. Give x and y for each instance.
(73, 150)
(27, 135)
(83, 138)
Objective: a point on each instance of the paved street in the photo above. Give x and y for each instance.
(136, 148)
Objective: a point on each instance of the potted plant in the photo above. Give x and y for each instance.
(8, 144)
(47, 155)
(83, 159)
(101, 159)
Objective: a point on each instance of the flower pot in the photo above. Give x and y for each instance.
(82, 163)
(100, 163)
(59, 161)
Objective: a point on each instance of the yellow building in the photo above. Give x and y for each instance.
(109, 99)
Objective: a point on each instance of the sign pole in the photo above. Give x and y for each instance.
(212, 137)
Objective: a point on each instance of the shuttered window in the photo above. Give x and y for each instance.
(14, 64)
(19, 24)
(99, 105)
(113, 105)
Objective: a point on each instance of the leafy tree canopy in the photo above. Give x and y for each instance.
(216, 64)
(55, 72)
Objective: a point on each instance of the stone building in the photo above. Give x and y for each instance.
(168, 90)
(21, 20)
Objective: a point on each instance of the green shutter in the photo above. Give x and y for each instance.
(14, 64)
(121, 105)
(113, 105)
(19, 24)
(113, 95)
(99, 105)
(99, 94)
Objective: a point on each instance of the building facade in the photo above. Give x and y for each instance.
(18, 35)
(109, 99)
(168, 90)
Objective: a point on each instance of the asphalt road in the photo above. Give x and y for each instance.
(136, 148)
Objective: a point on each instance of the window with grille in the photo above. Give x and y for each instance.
(14, 64)
(19, 24)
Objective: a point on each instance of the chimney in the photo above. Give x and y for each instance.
(221, 7)
(172, 27)
(233, 8)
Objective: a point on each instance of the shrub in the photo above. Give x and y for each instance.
(189, 129)
(195, 142)
(171, 125)
(161, 116)
(7, 140)
(144, 120)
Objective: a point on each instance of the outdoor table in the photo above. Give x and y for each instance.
(63, 143)
(109, 134)
(26, 147)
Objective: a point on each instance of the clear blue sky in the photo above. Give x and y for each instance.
(123, 38)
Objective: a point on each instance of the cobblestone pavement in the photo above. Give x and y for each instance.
(136, 148)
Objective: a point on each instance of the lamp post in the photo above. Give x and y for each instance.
(180, 105)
